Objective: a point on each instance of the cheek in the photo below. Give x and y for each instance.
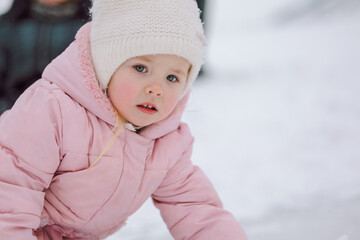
(128, 89)
(170, 103)
(120, 93)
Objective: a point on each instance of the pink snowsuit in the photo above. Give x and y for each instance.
(61, 124)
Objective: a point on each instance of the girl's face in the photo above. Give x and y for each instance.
(146, 89)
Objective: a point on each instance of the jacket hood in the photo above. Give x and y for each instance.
(73, 71)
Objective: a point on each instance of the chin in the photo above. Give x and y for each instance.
(140, 124)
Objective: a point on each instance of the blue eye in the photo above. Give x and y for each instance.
(171, 78)
(140, 68)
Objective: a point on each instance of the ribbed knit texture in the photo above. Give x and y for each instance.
(122, 29)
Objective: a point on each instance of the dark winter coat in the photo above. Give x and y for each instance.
(29, 42)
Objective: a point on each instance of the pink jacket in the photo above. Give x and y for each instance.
(60, 125)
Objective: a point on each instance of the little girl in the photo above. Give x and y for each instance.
(86, 145)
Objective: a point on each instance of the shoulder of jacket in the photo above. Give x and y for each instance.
(52, 89)
(181, 137)
(175, 145)
(51, 94)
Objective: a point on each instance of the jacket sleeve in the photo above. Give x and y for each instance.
(29, 156)
(190, 206)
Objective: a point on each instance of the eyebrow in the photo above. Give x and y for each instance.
(146, 59)
(178, 71)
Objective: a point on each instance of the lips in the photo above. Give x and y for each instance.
(147, 108)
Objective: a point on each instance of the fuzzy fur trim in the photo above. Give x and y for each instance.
(87, 67)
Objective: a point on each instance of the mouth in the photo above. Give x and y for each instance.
(147, 108)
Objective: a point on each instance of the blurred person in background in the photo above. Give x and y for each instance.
(201, 4)
(33, 33)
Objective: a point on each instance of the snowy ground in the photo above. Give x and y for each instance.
(277, 120)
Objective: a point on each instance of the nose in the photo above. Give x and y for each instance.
(154, 89)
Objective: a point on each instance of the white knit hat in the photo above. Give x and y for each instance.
(123, 29)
